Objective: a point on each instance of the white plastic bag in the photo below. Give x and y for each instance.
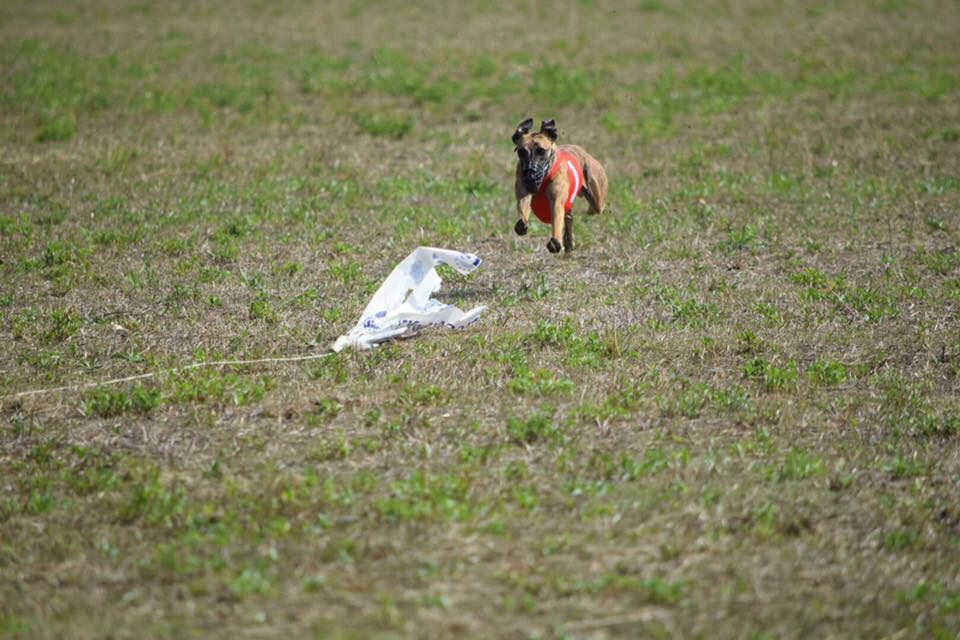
(402, 305)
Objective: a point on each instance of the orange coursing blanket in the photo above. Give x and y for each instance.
(565, 161)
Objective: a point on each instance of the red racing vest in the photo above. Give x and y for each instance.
(565, 161)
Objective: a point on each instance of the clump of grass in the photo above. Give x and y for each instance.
(348, 272)
(771, 376)
(250, 581)
(621, 404)
(334, 368)
(589, 349)
(553, 334)
(262, 308)
(905, 408)
(211, 386)
(56, 126)
(60, 325)
(799, 464)
(748, 342)
(323, 411)
(693, 399)
(816, 284)
(152, 499)
(540, 427)
(427, 497)
(539, 382)
(827, 372)
(198, 386)
(109, 403)
(940, 262)
(740, 238)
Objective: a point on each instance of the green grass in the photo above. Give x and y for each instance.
(732, 412)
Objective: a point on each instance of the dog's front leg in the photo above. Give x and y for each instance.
(523, 209)
(553, 246)
(568, 232)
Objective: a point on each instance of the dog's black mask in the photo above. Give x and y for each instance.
(536, 153)
(535, 163)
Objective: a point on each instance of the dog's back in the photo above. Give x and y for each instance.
(594, 177)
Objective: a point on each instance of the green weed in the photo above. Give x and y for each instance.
(621, 404)
(261, 308)
(772, 377)
(60, 325)
(539, 427)
(693, 399)
(539, 382)
(799, 465)
(427, 497)
(899, 539)
(323, 411)
(827, 372)
(250, 581)
(107, 403)
(211, 386)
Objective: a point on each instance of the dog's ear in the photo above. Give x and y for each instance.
(549, 129)
(523, 128)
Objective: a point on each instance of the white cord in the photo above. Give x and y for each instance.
(195, 365)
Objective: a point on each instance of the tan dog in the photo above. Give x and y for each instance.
(550, 177)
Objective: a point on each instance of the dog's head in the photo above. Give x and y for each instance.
(535, 151)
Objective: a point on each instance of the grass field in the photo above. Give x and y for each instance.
(732, 412)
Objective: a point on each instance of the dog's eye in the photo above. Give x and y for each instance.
(541, 151)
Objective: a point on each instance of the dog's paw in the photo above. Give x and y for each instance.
(521, 228)
(553, 246)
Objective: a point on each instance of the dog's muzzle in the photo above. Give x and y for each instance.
(533, 170)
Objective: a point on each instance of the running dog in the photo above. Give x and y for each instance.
(549, 179)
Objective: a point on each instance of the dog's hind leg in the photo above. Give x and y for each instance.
(568, 233)
(595, 186)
